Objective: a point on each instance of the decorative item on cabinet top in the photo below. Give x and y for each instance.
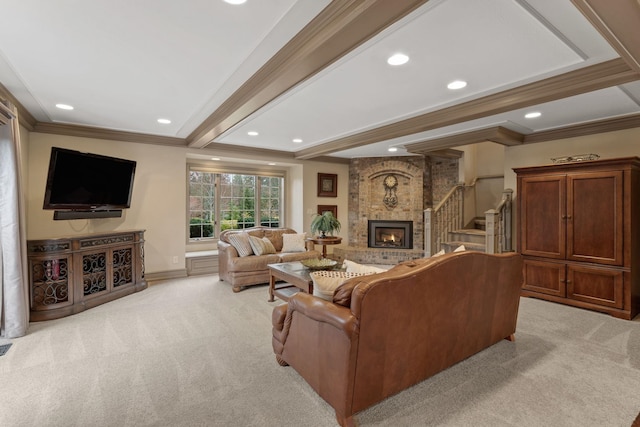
(575, 158)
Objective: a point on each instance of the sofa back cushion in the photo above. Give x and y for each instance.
(273, 234)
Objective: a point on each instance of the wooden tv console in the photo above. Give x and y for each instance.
(69, 275)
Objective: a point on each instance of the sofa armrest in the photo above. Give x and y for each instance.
(226, 252)
(315, 309)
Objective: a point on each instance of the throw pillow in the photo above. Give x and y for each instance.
(261, 246)
(326, 282)
(294, 242)
(240, 241)
(439, 253)
(354, 267)
(460, 248)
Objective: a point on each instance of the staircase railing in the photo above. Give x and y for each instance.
(446, 216)
(498, 225)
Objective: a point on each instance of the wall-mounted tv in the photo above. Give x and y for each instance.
(80, 181)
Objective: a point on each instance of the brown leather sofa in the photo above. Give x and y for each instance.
(388, 331)
(252, 270)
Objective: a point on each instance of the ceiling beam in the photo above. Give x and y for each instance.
(496, 134)
(341, 27)
(619, 24)
(587, 79)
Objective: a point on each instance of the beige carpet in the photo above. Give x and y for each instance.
(192, 353)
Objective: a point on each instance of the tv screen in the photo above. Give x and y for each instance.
(84, 181)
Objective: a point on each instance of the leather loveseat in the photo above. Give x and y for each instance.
(251, 269)
(385, 332)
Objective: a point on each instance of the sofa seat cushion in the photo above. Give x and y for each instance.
(254, 263)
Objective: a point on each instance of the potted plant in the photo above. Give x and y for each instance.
(324, 224)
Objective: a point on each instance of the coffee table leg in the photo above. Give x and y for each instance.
(272, 287)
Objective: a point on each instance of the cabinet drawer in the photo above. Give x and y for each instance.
(595, 285)
(545, 277)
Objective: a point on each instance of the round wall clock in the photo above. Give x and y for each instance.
(390, 181)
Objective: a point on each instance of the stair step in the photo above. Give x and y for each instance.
(480, 223)
(469, 246)
(470, 235)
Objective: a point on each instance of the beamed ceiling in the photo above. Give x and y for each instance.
(316, 71)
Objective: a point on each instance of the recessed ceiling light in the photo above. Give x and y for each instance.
(271, 164)
(398, 59)
(235, 2)
(252, 133)
(215, 158)
(64, 106)
(457, 84)
(297, 140)
(164, 121)
(392, 149)
(533, 115)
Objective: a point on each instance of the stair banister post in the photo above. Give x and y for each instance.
(507, 195)
(492, 237)
(428, 232)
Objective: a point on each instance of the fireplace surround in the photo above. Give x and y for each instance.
(390, 234)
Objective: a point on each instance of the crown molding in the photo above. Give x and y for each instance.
(587, 79)
(583, 129)
(24, 117)
(100, 133)
(341, 27)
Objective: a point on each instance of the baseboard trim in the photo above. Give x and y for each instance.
(153, 278)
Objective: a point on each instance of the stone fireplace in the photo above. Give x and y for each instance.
(393, 190)
(390, 234)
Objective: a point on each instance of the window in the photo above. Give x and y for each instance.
(219, 201)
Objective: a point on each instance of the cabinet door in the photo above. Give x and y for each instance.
(51, 282)
(94, 274)
(542, 222)
(595, 217)
(601, 286)
(545, 277)
(122, 263)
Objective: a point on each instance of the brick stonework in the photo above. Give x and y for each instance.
(419, 179)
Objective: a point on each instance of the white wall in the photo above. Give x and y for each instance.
(159, 196)
(311, 200)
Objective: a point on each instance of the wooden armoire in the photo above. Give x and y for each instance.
(578, 230)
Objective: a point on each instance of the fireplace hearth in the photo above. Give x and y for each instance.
(390, 234)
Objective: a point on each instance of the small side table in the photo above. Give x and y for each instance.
(330, 240)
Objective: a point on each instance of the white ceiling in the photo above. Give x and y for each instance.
(123, 64)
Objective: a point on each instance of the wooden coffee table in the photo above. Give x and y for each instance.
(295, 275)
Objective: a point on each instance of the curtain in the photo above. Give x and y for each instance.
(14, 294)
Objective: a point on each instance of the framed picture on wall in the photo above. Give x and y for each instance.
(332, 208)
(327, 185)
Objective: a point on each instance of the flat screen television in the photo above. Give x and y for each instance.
(80, 181)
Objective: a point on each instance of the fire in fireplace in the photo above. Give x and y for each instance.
(391, 234)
